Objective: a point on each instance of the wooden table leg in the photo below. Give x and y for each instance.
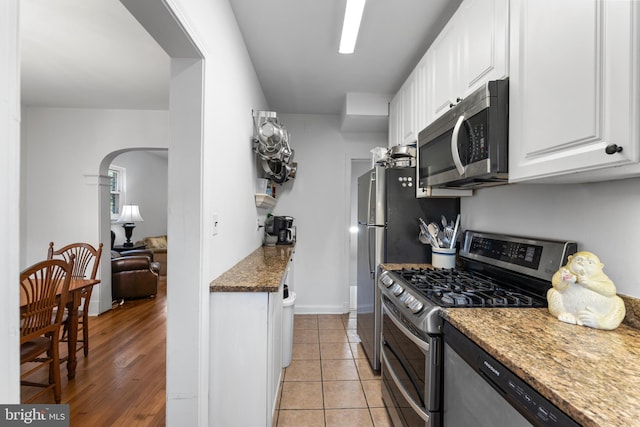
(72, 341)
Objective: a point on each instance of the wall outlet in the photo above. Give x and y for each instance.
(215, 223)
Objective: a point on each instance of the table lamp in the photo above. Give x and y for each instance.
(130, 215)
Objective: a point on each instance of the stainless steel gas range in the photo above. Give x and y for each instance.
(496, 271)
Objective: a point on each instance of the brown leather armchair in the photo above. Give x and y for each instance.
(134, 274)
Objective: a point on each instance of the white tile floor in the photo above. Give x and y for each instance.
(329, 382)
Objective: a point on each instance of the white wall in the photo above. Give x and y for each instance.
(146, 186)
(226, 167)
(223, 181)
(77, 141)
(601, 217)
(319, 200)
(64, 148)
(63, 151)
(9, 202)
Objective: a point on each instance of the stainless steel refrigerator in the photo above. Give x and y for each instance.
(388, 213)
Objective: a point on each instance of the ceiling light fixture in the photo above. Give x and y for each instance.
(351, 25)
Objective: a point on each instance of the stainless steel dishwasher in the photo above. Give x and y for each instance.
(479, 391)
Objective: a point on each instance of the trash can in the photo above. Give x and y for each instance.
(287, 328)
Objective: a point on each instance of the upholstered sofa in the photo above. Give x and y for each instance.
(158, 245)
(134, 274)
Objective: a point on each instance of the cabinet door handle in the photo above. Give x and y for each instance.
(612, 149)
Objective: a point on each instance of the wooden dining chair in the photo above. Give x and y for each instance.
(87, 260)
(44, 287)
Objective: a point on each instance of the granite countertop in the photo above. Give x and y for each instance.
(260, 271)
(590, 374)
(391, 266)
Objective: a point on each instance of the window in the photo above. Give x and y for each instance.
(117, 187)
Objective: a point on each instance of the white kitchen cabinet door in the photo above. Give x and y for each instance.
(484, 25)
(245, 357)
(471, 50)
(274, 351)
(409, 111)
(424, 113)
(574, 88)
(444, 59)
(402, 114)
(395, 119)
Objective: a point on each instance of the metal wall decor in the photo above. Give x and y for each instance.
(271, 144)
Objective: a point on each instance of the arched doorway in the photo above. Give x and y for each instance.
(105, 220)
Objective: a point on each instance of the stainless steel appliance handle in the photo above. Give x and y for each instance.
(417, 341)
(371, 270)
(418, 410)
(454, 146)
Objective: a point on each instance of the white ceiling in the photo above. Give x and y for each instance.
(94, 54)
(89, 54)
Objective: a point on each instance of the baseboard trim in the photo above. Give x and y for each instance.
(320, 309)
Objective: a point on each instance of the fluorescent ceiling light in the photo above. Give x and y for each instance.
(351, 25)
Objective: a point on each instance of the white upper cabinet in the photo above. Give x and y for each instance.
(471, 50)
(409, 111)
(395, 117)
(444, 61)
(424, 111)
(403, 112)
(484, 28)
(574, 90)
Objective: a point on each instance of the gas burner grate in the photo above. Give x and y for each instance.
(458, 288)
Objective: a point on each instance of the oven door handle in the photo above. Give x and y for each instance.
(417, 341)
(418, 410)
(455, 154)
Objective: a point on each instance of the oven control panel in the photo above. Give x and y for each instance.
(530, 256)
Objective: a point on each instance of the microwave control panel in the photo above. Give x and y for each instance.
(477, 143)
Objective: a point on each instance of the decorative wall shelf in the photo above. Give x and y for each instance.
(265, 201)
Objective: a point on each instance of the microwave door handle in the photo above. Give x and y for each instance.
(454, 146)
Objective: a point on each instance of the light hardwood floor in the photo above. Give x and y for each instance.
(122, 381)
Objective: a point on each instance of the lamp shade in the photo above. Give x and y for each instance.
(130, 213)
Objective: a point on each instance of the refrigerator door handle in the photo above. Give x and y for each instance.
(371, 270)
(371, 180)
(372, 267)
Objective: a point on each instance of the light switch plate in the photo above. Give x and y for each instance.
(215, 223)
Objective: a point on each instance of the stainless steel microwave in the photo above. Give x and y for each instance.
(467, 147)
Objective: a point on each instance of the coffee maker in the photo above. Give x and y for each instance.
(282, 226)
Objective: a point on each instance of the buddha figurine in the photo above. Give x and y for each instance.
(583, 295)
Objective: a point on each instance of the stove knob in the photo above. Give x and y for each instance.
(386, 280)
(397, 289)
(416, 306)
(409, 300)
